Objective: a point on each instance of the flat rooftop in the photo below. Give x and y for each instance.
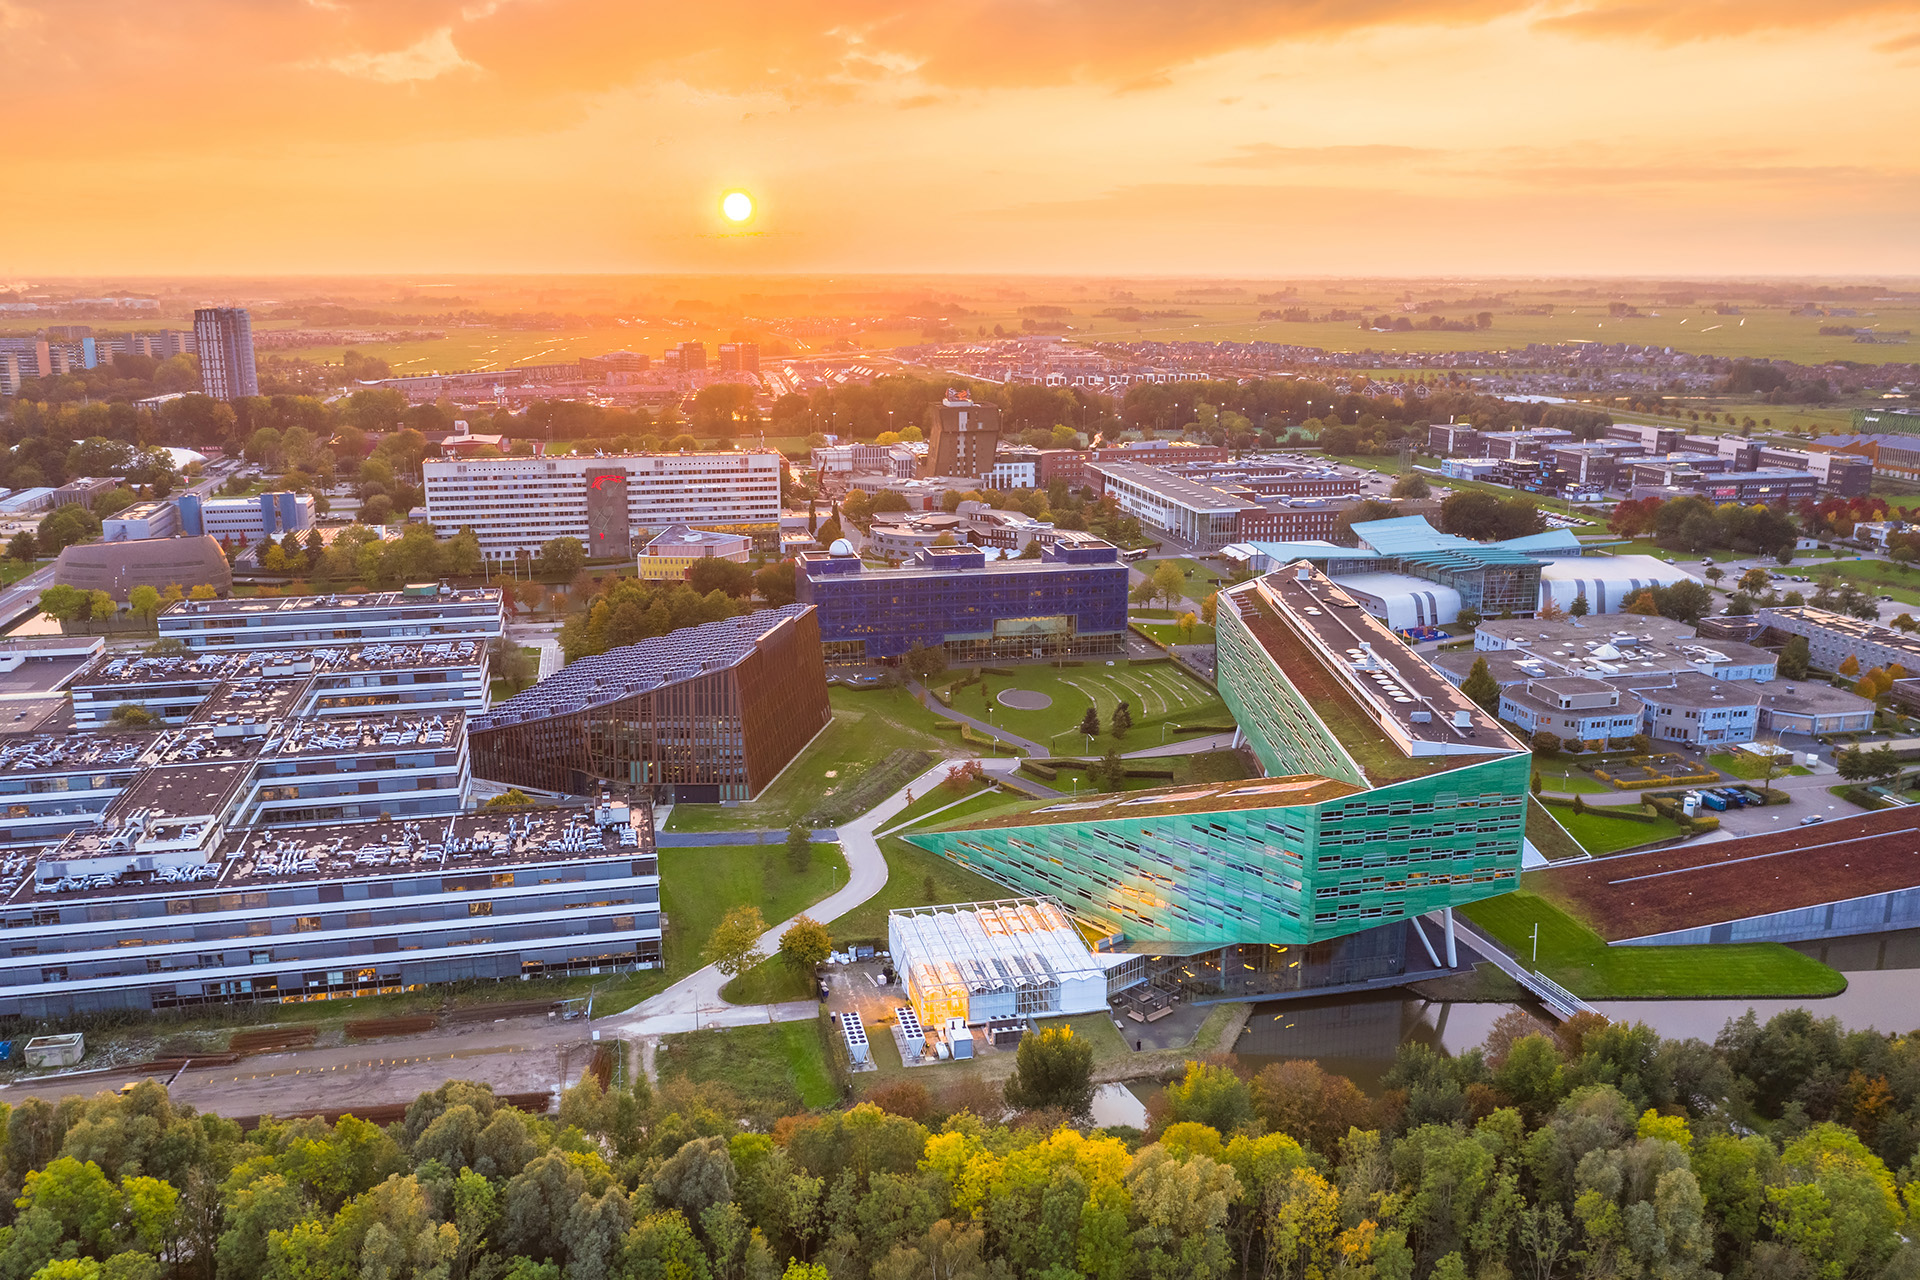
(1692, 689)
(279, 855)
(67, 752)
(1155, 802)
(110, 671)
(288, 608)
(324, 736)
(1317, 633)
(1188, 493)
(1639, 894)
(1853, 627)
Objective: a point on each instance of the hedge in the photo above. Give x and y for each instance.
(1044, 772)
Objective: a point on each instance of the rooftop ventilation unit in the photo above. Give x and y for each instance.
(1463, 719)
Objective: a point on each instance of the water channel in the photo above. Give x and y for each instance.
(1358, 1036)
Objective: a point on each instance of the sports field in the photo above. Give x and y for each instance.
(1156, 693)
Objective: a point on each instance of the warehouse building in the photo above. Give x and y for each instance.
(1071, 601)
(703, 714)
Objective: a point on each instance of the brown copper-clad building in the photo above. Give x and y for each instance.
(119, 567)
(703, 714)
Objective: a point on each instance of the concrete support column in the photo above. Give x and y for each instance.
(1453, 959)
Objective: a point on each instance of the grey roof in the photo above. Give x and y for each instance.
(637, 668)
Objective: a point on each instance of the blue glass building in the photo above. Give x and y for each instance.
(1073, 600)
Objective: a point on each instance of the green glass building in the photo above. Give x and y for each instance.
(1390, 795)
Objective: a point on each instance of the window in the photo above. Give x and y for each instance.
(479, 908)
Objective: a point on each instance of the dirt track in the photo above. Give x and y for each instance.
(519, 1055)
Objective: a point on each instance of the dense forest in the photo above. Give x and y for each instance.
(1783, 1151)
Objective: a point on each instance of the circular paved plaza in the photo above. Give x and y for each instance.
(1024, 700)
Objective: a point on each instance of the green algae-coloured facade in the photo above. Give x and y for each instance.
(1391, 796)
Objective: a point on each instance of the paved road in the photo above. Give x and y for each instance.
(23, 597)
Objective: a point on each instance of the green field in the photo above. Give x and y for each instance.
(936, 797)
(698, 886)
(1599, 834)
(1156, 693)
(1881, 577)
(915, 878)
(1575, 957)
(1196, 767)
(867, 725)
(1738, 764)
(1202, 580)
(1692, 559)
(11, 571)
(1565, 778)
(776, 1070)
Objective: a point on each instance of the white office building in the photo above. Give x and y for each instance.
(516, 505)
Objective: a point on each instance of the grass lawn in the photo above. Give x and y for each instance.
(1202, 766)
(1202, 581)
(1170, 633)
(915, 878)
(1738, 764)
(868, 724)
(939, 797)
(1157, 693)
(1575, 957)
(1569, 780)
(1881, 577)
(777, 1069)
(1547, 835)
(1641, 547)
(973, 805)
(1598, 833)
(698, 886)
(772, 981)
(11, 571)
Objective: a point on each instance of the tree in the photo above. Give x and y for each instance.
(1481, 686)
(775, 583)
(1580, 608)
(1412, 484)
(1795, 658)
(1644, 604)
(562, 557)
(62, 603)
(714, 574)
(734, 945)
(65, 526)
(1121, 721)
(1169, 582)
(1715, 573)
(1209, 608)
(101, 606)
(1468, 618)
(1849, 665)
(1755, 581)
(21, 546)
(927, 663)
(1546, 744)
(1210, 1095)
(1550, 611)
(204, 591)
(799, 848)
(806, 944)
(511, 798)
(1090, 723)
(1052, 1069)
(829, 533)
(1187, 622)
(131, 715)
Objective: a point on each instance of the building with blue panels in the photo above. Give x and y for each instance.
(1072, 600)
(1390, 795)
(245, 520)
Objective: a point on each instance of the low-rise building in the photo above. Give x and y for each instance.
(672, 553)
(118, 567)
(1813, 707)
(1572, 708)
(1832, 638)
(417, 613)
(1199, 515)
(1698, 710)
(142, 520)
(1622, 647)
(244, 521)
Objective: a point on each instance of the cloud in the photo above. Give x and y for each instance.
(1681, 21)
(428, 58)
(1267, 155)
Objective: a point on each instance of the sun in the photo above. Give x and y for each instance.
(737, 206)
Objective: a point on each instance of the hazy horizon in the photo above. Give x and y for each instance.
(1429, 139)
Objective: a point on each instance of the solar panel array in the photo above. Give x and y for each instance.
(638, 668)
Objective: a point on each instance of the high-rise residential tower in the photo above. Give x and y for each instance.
(224, 338)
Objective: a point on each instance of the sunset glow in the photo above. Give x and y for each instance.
(1385, 136)
(737, 206)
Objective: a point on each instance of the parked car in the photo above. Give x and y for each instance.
(1809, 821)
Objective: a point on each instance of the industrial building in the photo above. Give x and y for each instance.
(516, 505)
(1388, 795)
(1071, 601)
(288, 622)
(703, 714)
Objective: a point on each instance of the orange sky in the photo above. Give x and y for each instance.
(1223, 136)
